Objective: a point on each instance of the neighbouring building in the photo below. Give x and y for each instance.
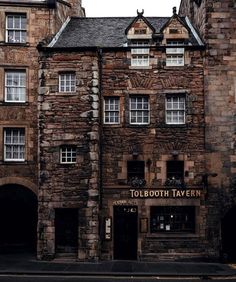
(216, 21)
(23, 24)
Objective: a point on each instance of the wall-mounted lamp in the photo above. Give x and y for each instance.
(174, 154)
(135, 151)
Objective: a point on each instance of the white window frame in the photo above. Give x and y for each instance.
(17, 31)
(67, 82)
(111, 110)
(175, 107)
(68, 155)
(139, 110)
(175, 60)
(14, 144)
(175, 56)
(139, 54)
(15, 86)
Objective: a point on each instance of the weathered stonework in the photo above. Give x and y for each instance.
(42, 23)
(69, 118)
(216, 23)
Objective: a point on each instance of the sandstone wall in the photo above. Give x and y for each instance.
(69, 118)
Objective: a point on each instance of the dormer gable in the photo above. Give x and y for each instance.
(139, 28)
(175, 29)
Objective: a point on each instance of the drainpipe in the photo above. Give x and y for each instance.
(100, 58)
(100, 214)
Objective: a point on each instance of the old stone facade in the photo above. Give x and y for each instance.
(132, 113)
(216, 22)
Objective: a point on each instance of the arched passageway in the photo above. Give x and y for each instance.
(228, 232)
(18, 219)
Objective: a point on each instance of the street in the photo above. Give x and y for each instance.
(38, 278)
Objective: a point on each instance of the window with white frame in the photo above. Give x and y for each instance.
(139, 53)
(175, 109)
(68, 154)
(16, 28)
(111, 110)
(14, 144)
(67, 82)
(15, 86)
(175, 55)
(139, 110)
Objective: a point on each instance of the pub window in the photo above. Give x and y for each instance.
(172, 219)
(135, 173)
(139, 110)
(111, 110)
(67, 82)
(174, 173)
(68, 154)
(175, 55)
(140, 53)
(175, 109)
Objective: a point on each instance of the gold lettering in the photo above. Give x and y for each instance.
(166, 193)
(198, 193)
(174, 192)
(146, 194)
(132, 193)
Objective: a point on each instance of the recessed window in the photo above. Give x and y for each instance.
(140, 53)
(68, 154)
(15, 86)
(135, 173)
(175, 109)
(139, 110)
(14, 144)
(67, 82)
(172, 219)
(111, 110)
(16, 28)
(174, 55)
(174, 173)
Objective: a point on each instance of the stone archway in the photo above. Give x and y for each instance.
(18, 219)
(228, 235)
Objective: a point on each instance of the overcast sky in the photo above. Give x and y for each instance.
(128, 8)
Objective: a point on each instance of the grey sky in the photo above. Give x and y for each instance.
(126, 8)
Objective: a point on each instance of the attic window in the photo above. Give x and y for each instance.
(140, 53)
(140, 31)
(173, 30)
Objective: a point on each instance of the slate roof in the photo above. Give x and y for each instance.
(102, 32)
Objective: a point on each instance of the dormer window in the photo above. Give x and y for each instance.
(140, 53)
(140, 31)
(175, 56)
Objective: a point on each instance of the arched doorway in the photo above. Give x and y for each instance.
(18, 219)
(228, 233)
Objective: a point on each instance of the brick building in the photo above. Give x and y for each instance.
(114, 130)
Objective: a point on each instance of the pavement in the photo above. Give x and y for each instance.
(27, 264)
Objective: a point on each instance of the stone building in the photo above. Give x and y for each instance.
(117, 133)
(121, 120)
(216, 21)
(23, 24)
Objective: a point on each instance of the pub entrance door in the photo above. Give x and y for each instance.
(66, 230)
(125, 232)
(228, 233)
